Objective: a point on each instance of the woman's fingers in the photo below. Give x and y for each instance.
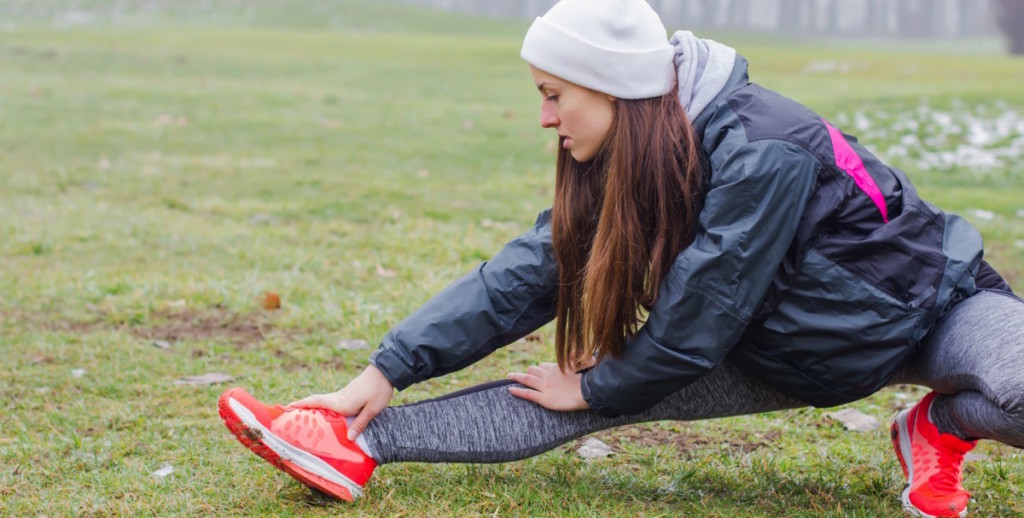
(313, 401)
(525, 393)
(361, 421)
(549, 387)
(536, 370)
(335, 401)
(528, 380)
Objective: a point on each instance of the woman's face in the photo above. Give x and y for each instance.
(583, 117)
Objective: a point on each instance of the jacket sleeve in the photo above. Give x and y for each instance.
(751, 212)
(499, 302)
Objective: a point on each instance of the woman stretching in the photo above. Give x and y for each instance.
(713, 249)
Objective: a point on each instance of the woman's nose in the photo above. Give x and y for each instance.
(548, 118)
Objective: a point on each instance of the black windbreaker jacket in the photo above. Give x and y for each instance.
(815, 268)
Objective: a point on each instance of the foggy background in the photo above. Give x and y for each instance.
(880, 18)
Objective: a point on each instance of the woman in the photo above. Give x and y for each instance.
(713, 249)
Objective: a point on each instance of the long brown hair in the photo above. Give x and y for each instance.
(618, 223)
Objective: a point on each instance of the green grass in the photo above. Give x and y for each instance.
(161, 168)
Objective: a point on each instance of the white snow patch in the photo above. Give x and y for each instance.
(983, 215)
(594, 449)
(164, 471)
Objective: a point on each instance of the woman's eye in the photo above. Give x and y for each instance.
(552, 98)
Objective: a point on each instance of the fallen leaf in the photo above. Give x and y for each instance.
(468, 124)
(270, 300)
(161, 344)
(594, 449)
(423, 173)
(855, 420)
(40, 358)
(384, 272)
(164, 470)
(210, 378)
(352, 344)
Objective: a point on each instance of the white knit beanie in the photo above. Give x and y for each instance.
(618, 47)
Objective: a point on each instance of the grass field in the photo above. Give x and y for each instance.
(161, 167)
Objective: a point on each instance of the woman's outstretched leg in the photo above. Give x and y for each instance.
(487, 424)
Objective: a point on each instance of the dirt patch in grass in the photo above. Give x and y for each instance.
(172, 326)
(208, 324)
(289, 363)
(683, 440)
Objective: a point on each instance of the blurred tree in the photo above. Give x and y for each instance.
(1010, 18)
(709, 12)
(789, 17)
(913, 17)
(877, 17)
(740, 14)
(832, 26)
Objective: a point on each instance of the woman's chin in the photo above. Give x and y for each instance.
(581, 157)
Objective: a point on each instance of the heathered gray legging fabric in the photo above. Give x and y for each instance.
(974, 356)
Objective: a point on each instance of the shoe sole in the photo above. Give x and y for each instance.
(901, 443)
(301, 465)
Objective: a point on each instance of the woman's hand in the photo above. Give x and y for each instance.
(364, 397)
(549, 387)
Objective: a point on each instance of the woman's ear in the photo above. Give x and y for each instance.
(612, 98)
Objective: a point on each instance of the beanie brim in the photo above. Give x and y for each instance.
(633, 74)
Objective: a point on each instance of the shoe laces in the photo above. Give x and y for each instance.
(950, 462)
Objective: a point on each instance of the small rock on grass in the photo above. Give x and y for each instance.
(210, 378)
(161, 344)
(975, 457)
(77, 373)
(855, 420)
(349, 344)
(594, 449)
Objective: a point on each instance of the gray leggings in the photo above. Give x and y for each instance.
(973, 358)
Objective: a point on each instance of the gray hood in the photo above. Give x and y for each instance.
(703, 67)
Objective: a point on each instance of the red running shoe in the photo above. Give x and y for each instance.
(311, 445)
(932, 462)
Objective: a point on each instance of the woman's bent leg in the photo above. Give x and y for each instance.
(487, 424)
(974, 360)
